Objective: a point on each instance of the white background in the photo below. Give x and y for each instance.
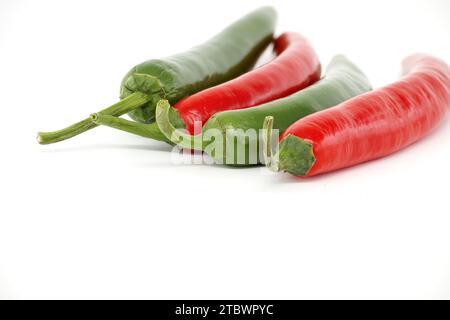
(106, 215)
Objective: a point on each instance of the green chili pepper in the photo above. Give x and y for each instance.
(342, 81)
(229, 54)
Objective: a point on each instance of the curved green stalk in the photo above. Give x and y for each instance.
(182, 139)
(270, 161)
(126, 105)
(137, 128)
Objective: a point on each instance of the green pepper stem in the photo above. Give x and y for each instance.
(175, 135)
(140, 129)
(270, 161)
(133, 101)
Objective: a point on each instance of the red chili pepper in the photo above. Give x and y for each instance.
(295, 67)
(371, 125)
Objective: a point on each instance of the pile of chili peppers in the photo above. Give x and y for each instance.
(210, 98)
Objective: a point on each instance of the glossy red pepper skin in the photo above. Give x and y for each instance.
(374, 124)
(295, 67)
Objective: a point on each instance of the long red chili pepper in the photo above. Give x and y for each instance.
(371, 125)
(295, 67)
